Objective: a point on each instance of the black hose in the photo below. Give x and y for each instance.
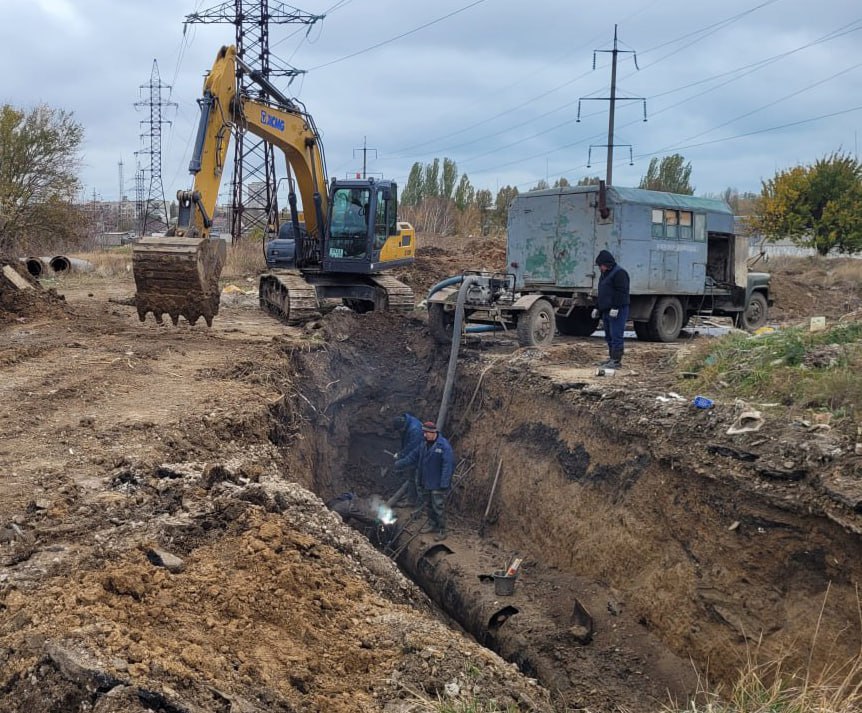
(453, 352)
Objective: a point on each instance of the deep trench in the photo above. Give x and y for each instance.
(608, 529)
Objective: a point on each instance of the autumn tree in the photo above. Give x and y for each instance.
(38, 176)
(817, 206)
(670, 174)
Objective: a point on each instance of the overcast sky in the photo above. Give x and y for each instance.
(741, 88)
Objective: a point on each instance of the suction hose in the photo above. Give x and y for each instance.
(444, 283)
(456, 345)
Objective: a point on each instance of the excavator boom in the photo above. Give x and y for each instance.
(349, 231)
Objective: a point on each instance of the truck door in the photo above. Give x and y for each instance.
(574, 250)
(532, 233)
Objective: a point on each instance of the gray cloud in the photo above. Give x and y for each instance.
(494, 87)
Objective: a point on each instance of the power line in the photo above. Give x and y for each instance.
(397, 37)
(839, 32)
(715, 27)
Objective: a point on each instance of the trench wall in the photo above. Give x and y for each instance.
(715, 571)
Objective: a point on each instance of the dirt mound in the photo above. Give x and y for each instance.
(808, 286)
(439, 257)
(22, 297)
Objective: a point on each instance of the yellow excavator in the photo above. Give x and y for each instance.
(346, 233)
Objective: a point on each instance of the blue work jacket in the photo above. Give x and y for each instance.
(435, 461)
(411, 434)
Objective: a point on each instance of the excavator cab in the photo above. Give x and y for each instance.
(363, 234)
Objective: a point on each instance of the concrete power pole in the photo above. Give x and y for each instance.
(613, 98)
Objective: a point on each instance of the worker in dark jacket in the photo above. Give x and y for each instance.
(613, 306)
(436, 463)
(410, 428)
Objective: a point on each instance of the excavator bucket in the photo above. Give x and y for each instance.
(178, 277)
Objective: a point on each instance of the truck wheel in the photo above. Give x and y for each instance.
(536, 325)
(577, 324)
(440, 323)
(754, 316)
(642, 331)
(665, 322)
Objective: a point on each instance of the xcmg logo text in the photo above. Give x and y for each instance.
(270, 120)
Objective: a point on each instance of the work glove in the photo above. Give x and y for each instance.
(613, 313)
(594, 314)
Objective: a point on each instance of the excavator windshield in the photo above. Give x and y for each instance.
(349, 224)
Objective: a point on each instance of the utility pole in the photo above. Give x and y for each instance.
(120, 198)
(365, 151)
(613, 98)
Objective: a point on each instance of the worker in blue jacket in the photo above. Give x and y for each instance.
(410, 428)
(613, 306)
(435, 463)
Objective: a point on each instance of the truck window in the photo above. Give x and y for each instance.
(657, 223)
(670, 223)
(685, 225)
(700, 227)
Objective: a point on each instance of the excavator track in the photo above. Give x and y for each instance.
(399, 297)
(287, 296)
(178, 277)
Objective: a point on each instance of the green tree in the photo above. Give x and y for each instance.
(501, 204)
(562, 182)
(431, 181)
(38, 175)
(670, 174)
(412, 193)
(465, 194)
(589, 181)
(817, 206)
(448, 178)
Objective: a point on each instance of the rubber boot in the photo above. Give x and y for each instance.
(607, 363)
(616, 360)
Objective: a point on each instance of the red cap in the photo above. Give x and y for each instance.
(429, 426)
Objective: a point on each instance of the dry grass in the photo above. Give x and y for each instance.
(766, 688)
(109, 263)
(244, 258)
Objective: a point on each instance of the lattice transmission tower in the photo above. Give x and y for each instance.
(155, 211)
(140, 196)
(254, 160)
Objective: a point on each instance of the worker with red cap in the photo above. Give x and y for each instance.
(435, 463)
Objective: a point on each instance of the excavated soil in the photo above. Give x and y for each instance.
(165, 545)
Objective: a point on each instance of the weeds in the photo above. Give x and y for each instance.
(792, 366)
(765, 688)
(244, 258)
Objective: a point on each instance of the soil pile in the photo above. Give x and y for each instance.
(22, 297)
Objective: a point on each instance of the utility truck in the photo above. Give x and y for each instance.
(680, 251)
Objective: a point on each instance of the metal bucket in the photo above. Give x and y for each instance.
(504, 585)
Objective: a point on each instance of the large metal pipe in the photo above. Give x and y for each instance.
(494, 621)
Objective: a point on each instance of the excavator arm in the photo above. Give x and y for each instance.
(178, 274)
